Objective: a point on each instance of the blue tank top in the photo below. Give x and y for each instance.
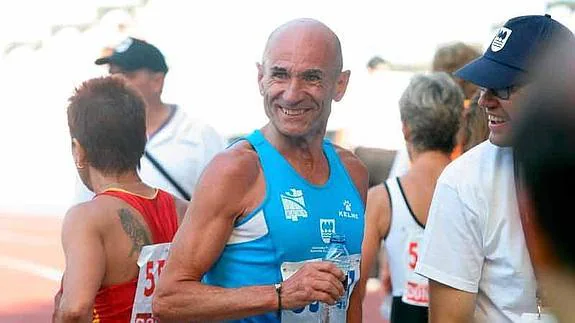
(292, 225)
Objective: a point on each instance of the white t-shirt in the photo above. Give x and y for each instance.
(474, 240)
(182, 146)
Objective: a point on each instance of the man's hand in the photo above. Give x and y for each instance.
(316, 281)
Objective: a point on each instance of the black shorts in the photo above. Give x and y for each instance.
(406, 313)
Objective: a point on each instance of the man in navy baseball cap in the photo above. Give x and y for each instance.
(509, 58)
(474, 251)
(508, 64)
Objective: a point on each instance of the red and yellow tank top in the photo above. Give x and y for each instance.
(114, 303)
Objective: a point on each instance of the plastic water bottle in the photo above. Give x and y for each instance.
(338, 254)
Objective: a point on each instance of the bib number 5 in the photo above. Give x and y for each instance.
(152, 260)
(153, 275)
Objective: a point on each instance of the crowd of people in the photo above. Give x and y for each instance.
(171, 225)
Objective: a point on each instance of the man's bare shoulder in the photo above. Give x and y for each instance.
(100, 212)
(231, 177)
(238, 161)
(228, 185)
(378, 194)
(90, 214)
(379, 208)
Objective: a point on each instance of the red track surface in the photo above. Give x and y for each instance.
(31, 261)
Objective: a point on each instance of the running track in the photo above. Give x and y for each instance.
(31, 264)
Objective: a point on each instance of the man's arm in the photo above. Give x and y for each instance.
(377, 216)
(360, 177)
(450, 305)
(85, 266)
(232, 185)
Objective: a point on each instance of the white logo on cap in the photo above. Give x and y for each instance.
(124, 45)
(500, 39)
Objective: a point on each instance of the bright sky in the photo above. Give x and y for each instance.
(211, 47)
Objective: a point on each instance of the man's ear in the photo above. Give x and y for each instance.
(341, 85)
(260, 77)
(158, 82)
(79, 154)
(406, 131)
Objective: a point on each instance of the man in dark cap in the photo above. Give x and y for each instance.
(178, 147)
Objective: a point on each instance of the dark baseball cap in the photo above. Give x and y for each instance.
(134, 54)
(508, 60)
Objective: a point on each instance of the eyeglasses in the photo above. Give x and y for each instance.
(503, 94)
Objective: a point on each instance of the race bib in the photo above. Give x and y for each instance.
(416, 289)
(151, 262)
(310, 313)
(535, 318)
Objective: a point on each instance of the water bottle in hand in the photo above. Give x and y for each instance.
(337, 253)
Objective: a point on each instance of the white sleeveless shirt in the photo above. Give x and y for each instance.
(402, 245)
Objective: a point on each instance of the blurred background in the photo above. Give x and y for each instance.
(48, 47)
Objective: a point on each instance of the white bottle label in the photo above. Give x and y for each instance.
(310, 313)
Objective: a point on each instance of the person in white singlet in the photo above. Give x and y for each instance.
(430, 111)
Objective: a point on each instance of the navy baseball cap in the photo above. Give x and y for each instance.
(134, 54)
(508, 59)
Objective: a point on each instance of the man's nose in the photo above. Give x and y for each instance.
(293, 91)
(487, 100)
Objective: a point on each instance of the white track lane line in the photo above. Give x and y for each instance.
(27, 239)
(29, 267)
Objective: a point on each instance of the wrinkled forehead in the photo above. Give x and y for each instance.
(303, 47)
